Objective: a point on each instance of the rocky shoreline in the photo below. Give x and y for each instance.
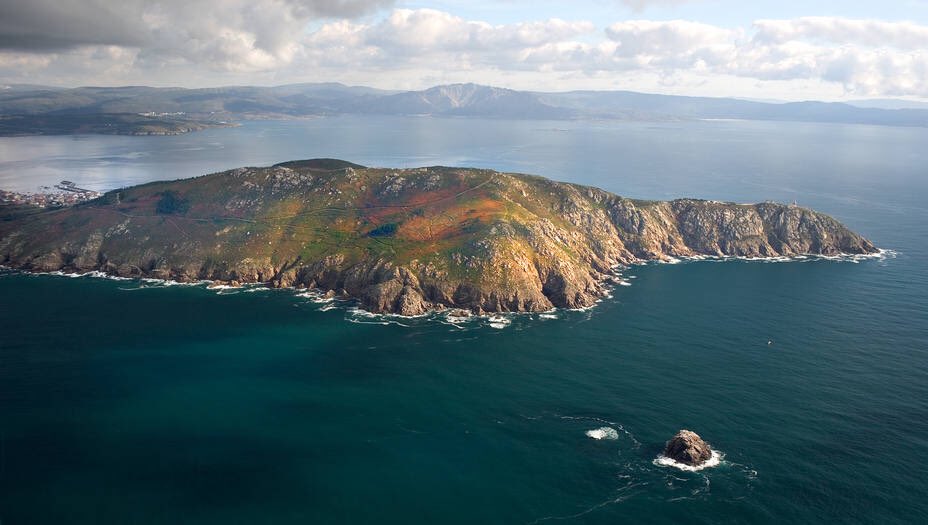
(323, 296)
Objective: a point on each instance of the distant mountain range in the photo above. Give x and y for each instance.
(217, 106)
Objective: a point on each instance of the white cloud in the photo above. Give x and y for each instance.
(672, 44)
(275, 41)
(641, 5)
(867, 57)
(833, 30)
(426, 36)
(863, 57)
(427, 31)
(221, 35)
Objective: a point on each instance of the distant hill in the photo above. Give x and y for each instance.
(468, 100)
(208, 106)
(888, 103)
(100, 124)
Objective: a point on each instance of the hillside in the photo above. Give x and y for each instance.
(101, 124)
(404, 241)
(34, 109)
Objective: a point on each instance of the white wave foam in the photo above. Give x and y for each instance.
(356, 310)
(221, 287)
(584, 308)
(314, 296)
(168, 282)
(856, 258)
(94, 274)
(714, 461)
(843, 257)
(458, 319)
(361, 316)
(608, 433)
(499, 322)
(586, 418)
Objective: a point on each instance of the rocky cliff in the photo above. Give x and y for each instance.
(402, 241)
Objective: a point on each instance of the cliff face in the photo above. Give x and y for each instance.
(403, 241)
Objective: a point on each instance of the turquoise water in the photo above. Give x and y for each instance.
(125, 402)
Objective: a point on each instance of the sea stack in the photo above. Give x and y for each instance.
(688, 448)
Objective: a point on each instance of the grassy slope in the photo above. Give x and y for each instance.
(309, 213)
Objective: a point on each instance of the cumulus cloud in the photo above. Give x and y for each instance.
(235, 35)
(243, 41)
(427, 31)
(871, 33)
(43, 25)
(672, 44)
(864, 57)
(641, 5)
(426, 36)
(869, 57)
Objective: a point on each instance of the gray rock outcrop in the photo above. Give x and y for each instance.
(688, 448)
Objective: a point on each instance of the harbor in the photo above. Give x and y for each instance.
(68, 194)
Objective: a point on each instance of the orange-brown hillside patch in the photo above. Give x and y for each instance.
(444, 222)
(285, 209)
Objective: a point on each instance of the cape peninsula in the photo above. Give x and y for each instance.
(403, 241)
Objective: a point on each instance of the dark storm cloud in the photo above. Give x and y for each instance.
(52, 25)
(340, 8)
(46, 25)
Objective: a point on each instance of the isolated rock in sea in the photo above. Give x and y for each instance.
(688, 448)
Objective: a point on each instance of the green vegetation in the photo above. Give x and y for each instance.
(99, 123)
(385, 230)
(171, 203)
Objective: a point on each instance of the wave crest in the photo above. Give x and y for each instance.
(608, 433)
(714, 461)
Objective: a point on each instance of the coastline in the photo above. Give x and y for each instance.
(452, 315)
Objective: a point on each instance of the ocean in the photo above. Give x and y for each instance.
(138, 402)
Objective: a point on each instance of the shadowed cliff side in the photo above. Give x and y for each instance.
(401, 241)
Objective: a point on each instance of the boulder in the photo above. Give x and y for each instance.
(688, 448)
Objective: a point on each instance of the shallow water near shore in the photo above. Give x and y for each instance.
(134, 402)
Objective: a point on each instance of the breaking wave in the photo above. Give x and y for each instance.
(844, 257)
(607, 433)
(499, 322)
(714, 461)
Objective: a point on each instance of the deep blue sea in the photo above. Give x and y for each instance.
(127, 402)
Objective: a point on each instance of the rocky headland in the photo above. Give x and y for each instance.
(401, 241)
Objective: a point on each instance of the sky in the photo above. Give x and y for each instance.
(760, 49)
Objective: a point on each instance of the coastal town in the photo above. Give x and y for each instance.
(65, 193)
